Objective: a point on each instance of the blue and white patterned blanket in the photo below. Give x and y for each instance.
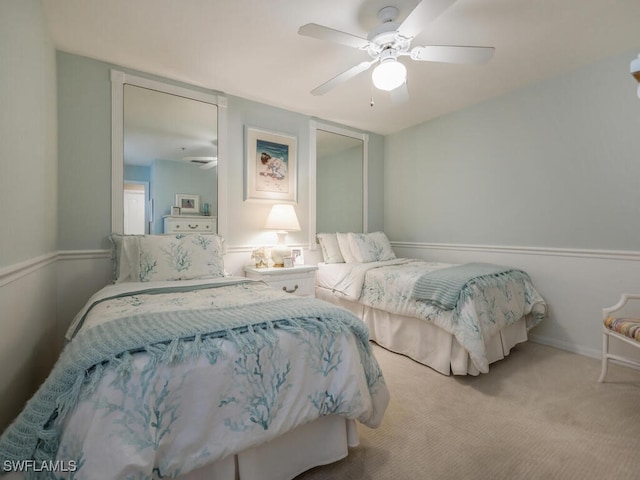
(158, 382)
(480, 315)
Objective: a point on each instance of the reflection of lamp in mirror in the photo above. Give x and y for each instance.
(282, 219)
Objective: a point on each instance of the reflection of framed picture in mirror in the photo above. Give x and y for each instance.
(175, 211)
(296, 256)
(188, 203)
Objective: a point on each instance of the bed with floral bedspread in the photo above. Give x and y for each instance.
(161, 378)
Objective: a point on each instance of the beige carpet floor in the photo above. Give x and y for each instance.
(538, 414)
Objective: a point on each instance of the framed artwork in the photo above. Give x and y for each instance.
(288, 262)
(296, 256)
(188, 203)
(175, 211)
(270, 166)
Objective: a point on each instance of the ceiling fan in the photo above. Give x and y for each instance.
(391, 40)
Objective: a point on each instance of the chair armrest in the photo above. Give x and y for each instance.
(624, 299)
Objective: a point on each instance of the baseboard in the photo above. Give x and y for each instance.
(566, 346)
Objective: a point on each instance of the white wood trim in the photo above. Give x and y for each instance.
(546, 251)
(17, 271)
(223, 167)
(117, 151)
(83, 254)
(313, 176)
(118, 80)
(14, 272)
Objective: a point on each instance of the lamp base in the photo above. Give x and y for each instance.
(278, 253)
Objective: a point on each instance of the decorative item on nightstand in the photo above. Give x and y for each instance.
(283, 219)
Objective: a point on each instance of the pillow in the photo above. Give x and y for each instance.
(345, 249)
(370, 247)
(124, 256)
(180, 257)
(330, 248)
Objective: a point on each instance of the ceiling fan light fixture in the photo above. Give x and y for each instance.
(389, 74)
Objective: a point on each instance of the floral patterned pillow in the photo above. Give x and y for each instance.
(345, 248)
(370, 247)
(124, 256)
(180, 257)
(330, 248)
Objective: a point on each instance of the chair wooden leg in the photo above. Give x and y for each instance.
(605, 354)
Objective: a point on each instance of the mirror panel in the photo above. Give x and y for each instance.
(339, 183)
(339, 165)
(166, 140)
(170, 142)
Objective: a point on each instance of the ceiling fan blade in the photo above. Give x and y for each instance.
(400, 94)
(424, 13)
(452, 54)
(343, 77)
(325, 33)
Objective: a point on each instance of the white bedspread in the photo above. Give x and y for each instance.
(162, 420)
(389, 286)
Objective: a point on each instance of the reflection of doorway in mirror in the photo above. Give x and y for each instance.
(135, 203)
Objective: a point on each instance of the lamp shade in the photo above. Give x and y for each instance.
(390, 74)
(282, 218)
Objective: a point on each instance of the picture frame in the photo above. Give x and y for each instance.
(288, 262)
(270, 166)
(297, 256)
(175, 211)
(188, 203)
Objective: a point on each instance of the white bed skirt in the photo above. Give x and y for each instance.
(323, 441)
(425, 342)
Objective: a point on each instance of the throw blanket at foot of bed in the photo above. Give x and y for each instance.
(163, 387)
(448, 287)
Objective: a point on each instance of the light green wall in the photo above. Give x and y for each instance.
(556, 164)
(28, 190)
(28, 129)
(85, 158)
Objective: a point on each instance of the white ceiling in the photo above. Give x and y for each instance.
(251, 48)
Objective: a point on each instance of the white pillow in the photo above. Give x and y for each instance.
(330, 248)
(124, 255)
(345, 249)
(180, 257)
(370, 247)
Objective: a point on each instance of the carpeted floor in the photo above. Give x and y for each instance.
(538, 414)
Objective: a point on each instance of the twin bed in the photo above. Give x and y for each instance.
(179, 370)
(453, 318)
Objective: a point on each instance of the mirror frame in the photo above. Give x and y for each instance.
(314, 126)
(118, 81)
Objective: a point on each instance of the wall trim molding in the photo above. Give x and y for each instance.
(17, 271)
(546, 251)
(83, 254)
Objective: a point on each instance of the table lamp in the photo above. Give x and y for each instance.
(282, 218)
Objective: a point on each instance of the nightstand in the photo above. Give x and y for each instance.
(298, 280)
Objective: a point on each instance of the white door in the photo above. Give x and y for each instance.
(135, 201)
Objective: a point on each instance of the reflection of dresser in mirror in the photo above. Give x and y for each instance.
(189, 223)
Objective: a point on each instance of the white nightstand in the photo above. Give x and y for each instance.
(298, 280)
